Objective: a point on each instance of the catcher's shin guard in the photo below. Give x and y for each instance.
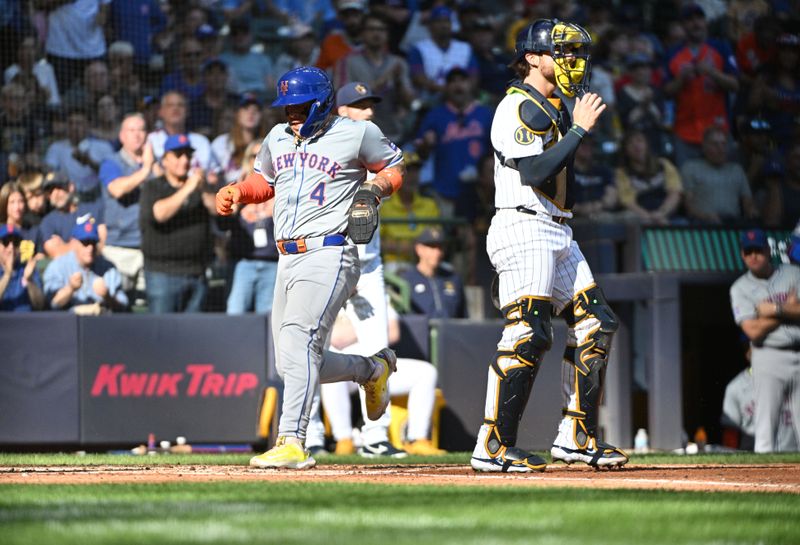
(511, 378)
(593, 324)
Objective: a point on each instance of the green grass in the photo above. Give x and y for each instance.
(332, 513)
(69, 459)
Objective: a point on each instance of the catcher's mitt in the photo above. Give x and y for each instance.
(363, 217)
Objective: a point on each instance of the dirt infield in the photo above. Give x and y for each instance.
(740, 478)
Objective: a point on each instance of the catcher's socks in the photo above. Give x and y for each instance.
(491, 455)
(345, 447)
(377, 387)
(288, 452)
(423, 447)
(594, 453)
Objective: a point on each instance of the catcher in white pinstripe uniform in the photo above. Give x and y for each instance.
(541, 272)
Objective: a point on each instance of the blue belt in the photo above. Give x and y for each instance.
(302, 245)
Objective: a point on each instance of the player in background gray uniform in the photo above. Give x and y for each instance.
(738, 409)
(313, 166)
(765, 305)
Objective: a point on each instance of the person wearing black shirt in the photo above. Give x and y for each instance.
(176, 241)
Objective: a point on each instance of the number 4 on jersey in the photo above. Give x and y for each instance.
(318, 194)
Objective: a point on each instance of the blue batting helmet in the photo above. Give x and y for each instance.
(307, 84)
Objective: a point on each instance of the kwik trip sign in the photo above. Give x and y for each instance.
(197, 380)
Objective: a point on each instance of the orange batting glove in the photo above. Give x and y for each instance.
(226, 198)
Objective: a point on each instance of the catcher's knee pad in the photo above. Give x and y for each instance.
(535, 314)
(515, 382)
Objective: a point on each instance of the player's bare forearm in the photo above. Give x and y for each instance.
(389, 179)
(757, 328)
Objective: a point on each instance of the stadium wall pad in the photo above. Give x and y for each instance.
(115, 379)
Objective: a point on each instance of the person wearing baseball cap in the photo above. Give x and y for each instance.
(20, 285)
(765, 305)
(65, 210)
(81, 280)
(356, 101)
(436, 290)
(176, 240)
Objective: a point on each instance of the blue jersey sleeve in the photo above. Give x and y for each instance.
(109, 171)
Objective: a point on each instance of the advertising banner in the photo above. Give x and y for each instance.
(196, 376)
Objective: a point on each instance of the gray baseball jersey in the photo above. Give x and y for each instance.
(738, 409)
(748, 291)
(316, 179)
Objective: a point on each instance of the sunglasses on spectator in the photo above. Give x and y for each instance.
(11, 240)
(182, 152)
(89, 242)
(751, 251)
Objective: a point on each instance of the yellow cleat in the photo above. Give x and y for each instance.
(377, 388)
(289, 454)
(345, 447)
(423, 447)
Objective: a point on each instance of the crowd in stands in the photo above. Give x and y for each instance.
(119, 120)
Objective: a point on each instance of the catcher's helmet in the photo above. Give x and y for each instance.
(307, 84)
(567, 43)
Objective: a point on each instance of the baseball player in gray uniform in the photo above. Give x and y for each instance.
(765, 305)
(315, 167)
(541, 272)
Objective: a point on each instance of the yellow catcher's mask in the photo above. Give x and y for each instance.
(570, 51)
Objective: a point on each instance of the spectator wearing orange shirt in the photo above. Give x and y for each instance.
(700, 74)
(340, 42)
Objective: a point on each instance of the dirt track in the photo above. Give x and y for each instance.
(741, 478)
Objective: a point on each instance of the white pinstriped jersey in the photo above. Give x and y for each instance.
(514, 141)
(315, 179)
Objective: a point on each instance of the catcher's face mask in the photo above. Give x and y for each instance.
(570, 51)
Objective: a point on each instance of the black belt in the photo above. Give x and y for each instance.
(558, 219)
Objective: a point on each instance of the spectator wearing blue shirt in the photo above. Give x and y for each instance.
(249, 71)
(66, 211)
(20, 285)
(81, 279)
(457, 133)
(137, 22)
(187, 78)
(436, 291)
(122, 176)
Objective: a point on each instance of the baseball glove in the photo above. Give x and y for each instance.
(363, 217)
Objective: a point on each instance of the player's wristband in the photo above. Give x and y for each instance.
(577, 129)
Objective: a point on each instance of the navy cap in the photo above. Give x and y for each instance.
(10, 231)
(638, 59)
(86, 231)
(754, 238)
(205, 31)
(353, 92)
(440, 12)
(177, 141)
(456, 72)
(249, 98)
(692, 10)
(212, 62)
(55, 179)
(431, 236)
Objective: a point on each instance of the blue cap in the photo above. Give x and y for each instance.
(86, 231)
(205, 31)
(10, 231)
(440, 12)
(211, 63)
(249, 98)
(353, 92)
(432, 236)
(754, 238)
(177, 141)
(794, 249)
